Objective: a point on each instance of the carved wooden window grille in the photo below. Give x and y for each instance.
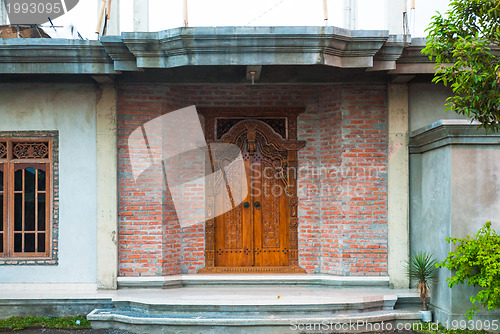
(3, 150)
(30, 150)
(278, 124)
(25, 197)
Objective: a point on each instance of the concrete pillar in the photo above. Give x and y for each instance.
(107, 191)
(141, 15)
(395, 10)
(351, 14)
(3, 13)
(398, 184)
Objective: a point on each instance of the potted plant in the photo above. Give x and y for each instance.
(421, 270)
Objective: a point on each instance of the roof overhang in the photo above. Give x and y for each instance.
(373, 50)
(53, 56)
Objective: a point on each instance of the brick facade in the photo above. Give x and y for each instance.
(342, 178)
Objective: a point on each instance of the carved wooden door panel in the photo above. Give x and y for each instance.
(234, 228)
(254, 233)
(270, 216)
(258, 231)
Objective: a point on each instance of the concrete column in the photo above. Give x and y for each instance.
(351, 14)
(3, 13)
(141, 15)
(398, 184)
(107, 191)
(395, 10)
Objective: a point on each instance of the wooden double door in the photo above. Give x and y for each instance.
(255, 232)
(253, 203)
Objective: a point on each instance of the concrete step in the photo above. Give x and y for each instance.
(140, 322)
(327, 308)
(243, 299)
(408, 301)
(249, 309)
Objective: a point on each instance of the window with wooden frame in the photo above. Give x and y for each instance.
(26, 183)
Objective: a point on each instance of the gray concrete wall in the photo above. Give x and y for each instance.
(70, 109)
(427, 104)
(430, 216)
(476, 188)
(475, 199)
(454, 190)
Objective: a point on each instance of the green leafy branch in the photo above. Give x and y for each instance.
(464, 44)
(476, 262)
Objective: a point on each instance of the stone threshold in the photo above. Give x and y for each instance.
(175, 281)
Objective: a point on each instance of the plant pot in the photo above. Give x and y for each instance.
(426, 316)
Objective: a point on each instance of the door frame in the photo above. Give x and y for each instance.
(219, 119)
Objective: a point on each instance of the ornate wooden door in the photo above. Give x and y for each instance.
(257, 232)
(270, 210)
(234, 228)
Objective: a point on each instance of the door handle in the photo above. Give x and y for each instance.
(246, 205)
(257, 204)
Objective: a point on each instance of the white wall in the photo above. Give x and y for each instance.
(70, 109)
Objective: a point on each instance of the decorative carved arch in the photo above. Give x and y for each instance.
(271, 137)
(246, 132)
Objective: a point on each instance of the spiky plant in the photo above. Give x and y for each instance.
(421, 269)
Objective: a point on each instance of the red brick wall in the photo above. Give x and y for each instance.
(363, 220)
(309, 207)
(149, 233)
(330, 138)
(342, 183)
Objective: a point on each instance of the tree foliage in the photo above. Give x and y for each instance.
(476, 261)
(464, 44)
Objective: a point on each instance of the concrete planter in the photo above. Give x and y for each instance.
(426, 316)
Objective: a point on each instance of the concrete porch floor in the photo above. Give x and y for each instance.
(223, 289)
(221, 295)
(258, 295)
(213, 295)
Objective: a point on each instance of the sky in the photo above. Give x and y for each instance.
(165, 14)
